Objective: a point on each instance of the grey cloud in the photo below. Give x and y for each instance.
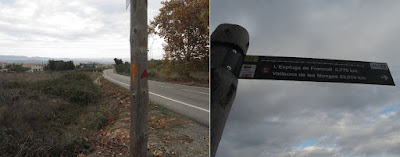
(43, 27)
(302, 116)
(100, 20)
(269, 117)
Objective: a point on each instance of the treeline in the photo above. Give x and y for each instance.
(154, 67)
(59, 65)
(17, 68)
(122, 68)
(88, 67)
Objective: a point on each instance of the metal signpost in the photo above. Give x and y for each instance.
(319, 70)
(229, 45)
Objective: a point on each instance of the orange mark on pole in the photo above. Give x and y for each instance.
(134, 72)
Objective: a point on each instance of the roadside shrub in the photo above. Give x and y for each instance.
(76, 87)
(47, 118)
(153, 74)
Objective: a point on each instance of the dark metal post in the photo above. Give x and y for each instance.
(229, 44)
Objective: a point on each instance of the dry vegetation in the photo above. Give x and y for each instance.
(44, 115)
(65, 114)
(170, 134)
(155, 68)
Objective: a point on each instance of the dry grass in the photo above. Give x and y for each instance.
(169, 134)
(30, 77)
(36, 121)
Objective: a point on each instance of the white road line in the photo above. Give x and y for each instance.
(185, 85)
(180, 102)
(117, 81)
(166, 97)
(164, 86)
(195, 91)
(194, 87)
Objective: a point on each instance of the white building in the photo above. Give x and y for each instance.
(3, 67)
(34, 67)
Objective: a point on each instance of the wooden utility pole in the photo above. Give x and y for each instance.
(139, 85)
(229, 44)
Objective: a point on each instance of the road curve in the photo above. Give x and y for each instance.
(192, 102)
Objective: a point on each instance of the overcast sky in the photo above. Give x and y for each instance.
(293, 118)
(70, 28)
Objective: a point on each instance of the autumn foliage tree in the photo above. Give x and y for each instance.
(184, 26)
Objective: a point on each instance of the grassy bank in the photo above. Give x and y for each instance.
(53, 115)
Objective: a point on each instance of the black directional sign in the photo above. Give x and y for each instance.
(319, 70)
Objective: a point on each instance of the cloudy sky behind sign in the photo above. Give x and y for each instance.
(72, 29)
(292, 118)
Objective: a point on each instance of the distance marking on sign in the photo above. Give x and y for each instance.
(318, 70)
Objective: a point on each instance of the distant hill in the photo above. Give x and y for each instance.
(39, 60)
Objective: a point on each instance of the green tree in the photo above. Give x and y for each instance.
(121, 67)
(71, 65)
(118, 61)
(17, 68)
(51, 65)
(60, 65)
(184, 26)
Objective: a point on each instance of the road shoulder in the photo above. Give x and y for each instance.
(170, 134)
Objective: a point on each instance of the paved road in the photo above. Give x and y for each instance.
(192, 102)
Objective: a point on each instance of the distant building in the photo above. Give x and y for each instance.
(91, 65)
(3, 67)
(100, 65)
(34, 67)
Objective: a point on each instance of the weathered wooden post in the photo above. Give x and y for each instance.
(229, 44)
(139, 85)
